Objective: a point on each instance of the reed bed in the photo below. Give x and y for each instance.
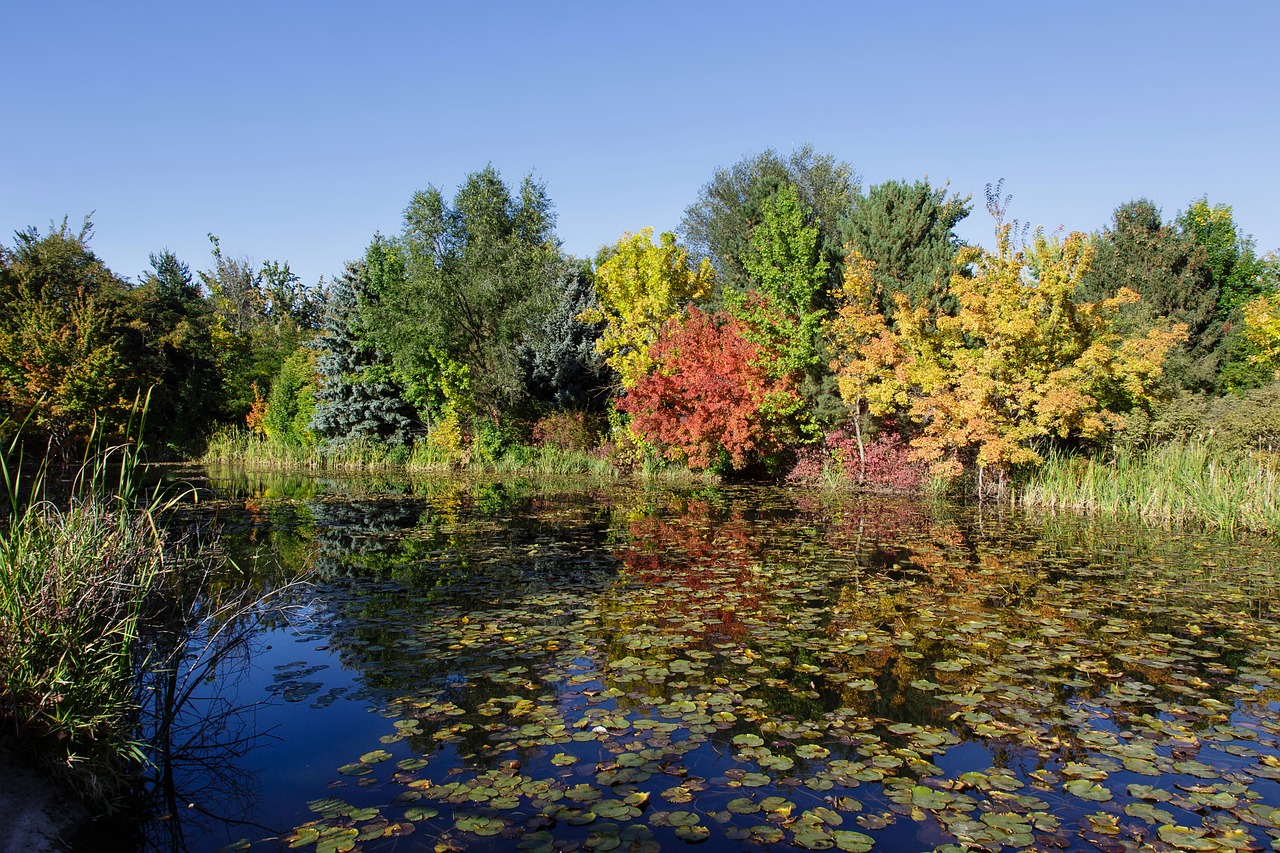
(1176, 483)
(83, 580)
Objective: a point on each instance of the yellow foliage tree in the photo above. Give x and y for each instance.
(1021, 359)
(641, 285)
(870, 361)
(1262, 331)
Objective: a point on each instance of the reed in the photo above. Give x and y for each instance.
(1175, 483)
(81, 580)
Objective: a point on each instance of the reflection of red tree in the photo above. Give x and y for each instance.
(696, 555)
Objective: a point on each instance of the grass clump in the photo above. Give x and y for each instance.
(82, 580)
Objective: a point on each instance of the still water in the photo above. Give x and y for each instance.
(498, 666)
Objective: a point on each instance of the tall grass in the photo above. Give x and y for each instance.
(80, 580)
(243, 448)
(1179, 482)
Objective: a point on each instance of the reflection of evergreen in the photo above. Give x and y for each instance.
(357, 538)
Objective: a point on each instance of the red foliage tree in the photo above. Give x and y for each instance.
(711, 393)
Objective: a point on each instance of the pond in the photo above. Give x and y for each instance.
(498, 666)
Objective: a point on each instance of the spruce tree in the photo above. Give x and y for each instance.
(356, 400)
(561, 368)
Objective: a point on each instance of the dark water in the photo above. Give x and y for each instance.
(486, 666)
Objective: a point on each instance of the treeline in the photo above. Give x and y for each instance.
(795, 321)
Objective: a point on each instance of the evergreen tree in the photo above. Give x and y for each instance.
(1172, 275)
(907, 232)
(356, 398)
(562, 368)
(170, 346)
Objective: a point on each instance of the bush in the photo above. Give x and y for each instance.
(568, 431)
(887, 467)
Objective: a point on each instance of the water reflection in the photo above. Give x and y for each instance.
(622, 669)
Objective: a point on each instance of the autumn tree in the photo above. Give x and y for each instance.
(640, 286)
(1022, 361)
(710, 400)
(61, 324)
(868, 358)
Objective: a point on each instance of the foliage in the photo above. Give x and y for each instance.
(1166, 265)
(1234, 424)
(710, 398)
(358, 398)
(883, 464)
(61, 366)
(1237, 272)
(568, 430)
(869, 359)
(641, 286)
(783, 306)
(906, 231)
(169, 344)
(1262, 331)
(480, 275)
(1021, 360)
(292, 404)
(719, 225)
(562, 368)
(260, 317)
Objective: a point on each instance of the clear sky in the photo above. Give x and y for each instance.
(295, 130)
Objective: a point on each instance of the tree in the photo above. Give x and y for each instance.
(170, 347)
(562, 368)
(1171, 273)
(1237, 271)
(710, 399)
(718, 226)
(787, 273)
(292, 403)
(906, 231)
(260, 317)
(61, 316)
(1022, 360)
(480, 275)
(640, 286)
(869, 359)
(358, 398)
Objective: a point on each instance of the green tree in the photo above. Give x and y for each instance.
(906, 232)
(170, 347)
(292, 403)
(1170, 272)
(481, 272)
(261, 315)
(718, 226)
(562, 368)
(358, 398)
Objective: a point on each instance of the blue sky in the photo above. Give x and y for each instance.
(294, 131)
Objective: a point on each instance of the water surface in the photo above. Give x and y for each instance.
(493, 666)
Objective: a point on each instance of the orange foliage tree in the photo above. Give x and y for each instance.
(711, 395)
